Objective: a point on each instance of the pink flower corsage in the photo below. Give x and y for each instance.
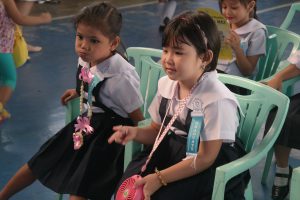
(83, 124)
(85, 75)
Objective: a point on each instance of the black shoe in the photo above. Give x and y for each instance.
(280, 192)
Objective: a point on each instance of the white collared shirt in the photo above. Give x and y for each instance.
(219, 107)
(253, 42)
(295, 59)
(121, 91)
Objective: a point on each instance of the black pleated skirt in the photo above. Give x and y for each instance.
(290, 132)
(171, 151)
(92, 171)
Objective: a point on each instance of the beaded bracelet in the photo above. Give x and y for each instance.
(162, 181)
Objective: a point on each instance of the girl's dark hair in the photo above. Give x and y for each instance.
(245, 3)
(102, 15)
(196, 29)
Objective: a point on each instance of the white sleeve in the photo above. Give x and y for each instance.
(295, 59)
(154, 109)
(126, 93)
(220, 121)
(257, 43)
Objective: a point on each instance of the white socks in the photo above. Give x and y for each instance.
(281, 181)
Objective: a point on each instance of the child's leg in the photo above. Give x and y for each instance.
(73, 197)
(282, 154)
(8, 76)
(19, 181)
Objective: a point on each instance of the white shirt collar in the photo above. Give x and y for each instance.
(250, 27)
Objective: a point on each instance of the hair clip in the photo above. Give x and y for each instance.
(202, 34)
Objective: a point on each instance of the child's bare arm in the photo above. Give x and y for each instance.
(144, 135)
(289, 72)
(136, 116)
(18, 18)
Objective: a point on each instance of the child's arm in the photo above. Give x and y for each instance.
(136, 116)
(144, 135)
(246, 64)
(290, 71)
(207, 154)
(68, 95)
(18, 18)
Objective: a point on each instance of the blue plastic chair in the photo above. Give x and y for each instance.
(256, 108)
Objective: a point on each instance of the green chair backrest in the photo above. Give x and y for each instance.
(289, 17)
(265, 61)
(280, 44)
(149, 71)
(137, 53)
(256, 107)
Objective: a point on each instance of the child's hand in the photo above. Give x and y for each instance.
(68, 95)
(275, 83)
(233, 40)
(151, 184)
(122, 135)
(46, 17)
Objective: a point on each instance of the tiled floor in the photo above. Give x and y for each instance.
(35, 105)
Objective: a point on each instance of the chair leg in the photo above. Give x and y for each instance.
(60, 196)
(267, 166)
(249, 191)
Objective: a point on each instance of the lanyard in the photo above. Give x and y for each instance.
(160, 137)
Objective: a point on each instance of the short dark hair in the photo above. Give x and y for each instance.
(197, 29)
(245, 3)
(102, 15)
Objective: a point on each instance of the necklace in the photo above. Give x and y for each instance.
(82, 127)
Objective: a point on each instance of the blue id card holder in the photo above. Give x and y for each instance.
(195, 129)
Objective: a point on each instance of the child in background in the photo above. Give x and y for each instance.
(247, 37)
(166, 10)
(9, 17)
(78, 160)
(191, 45)
(289, 137)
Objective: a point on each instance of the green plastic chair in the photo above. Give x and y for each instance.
(289, 17)
(280, 43)
(137, 53)
(72, 111)
(150, 72)
(256, 108)
(287, 89)
(295, 184)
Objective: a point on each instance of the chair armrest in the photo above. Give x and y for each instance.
(225, 172)
(287, 86)
(295, 184)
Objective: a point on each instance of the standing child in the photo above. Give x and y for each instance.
(9, 17)
(191, 44)
(247, 37)
(289, 137)
(78, 160)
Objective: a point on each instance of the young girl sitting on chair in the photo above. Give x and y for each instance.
(191, 92)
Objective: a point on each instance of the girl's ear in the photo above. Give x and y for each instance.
(251, 5)
(115, 43)
(208, 57)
